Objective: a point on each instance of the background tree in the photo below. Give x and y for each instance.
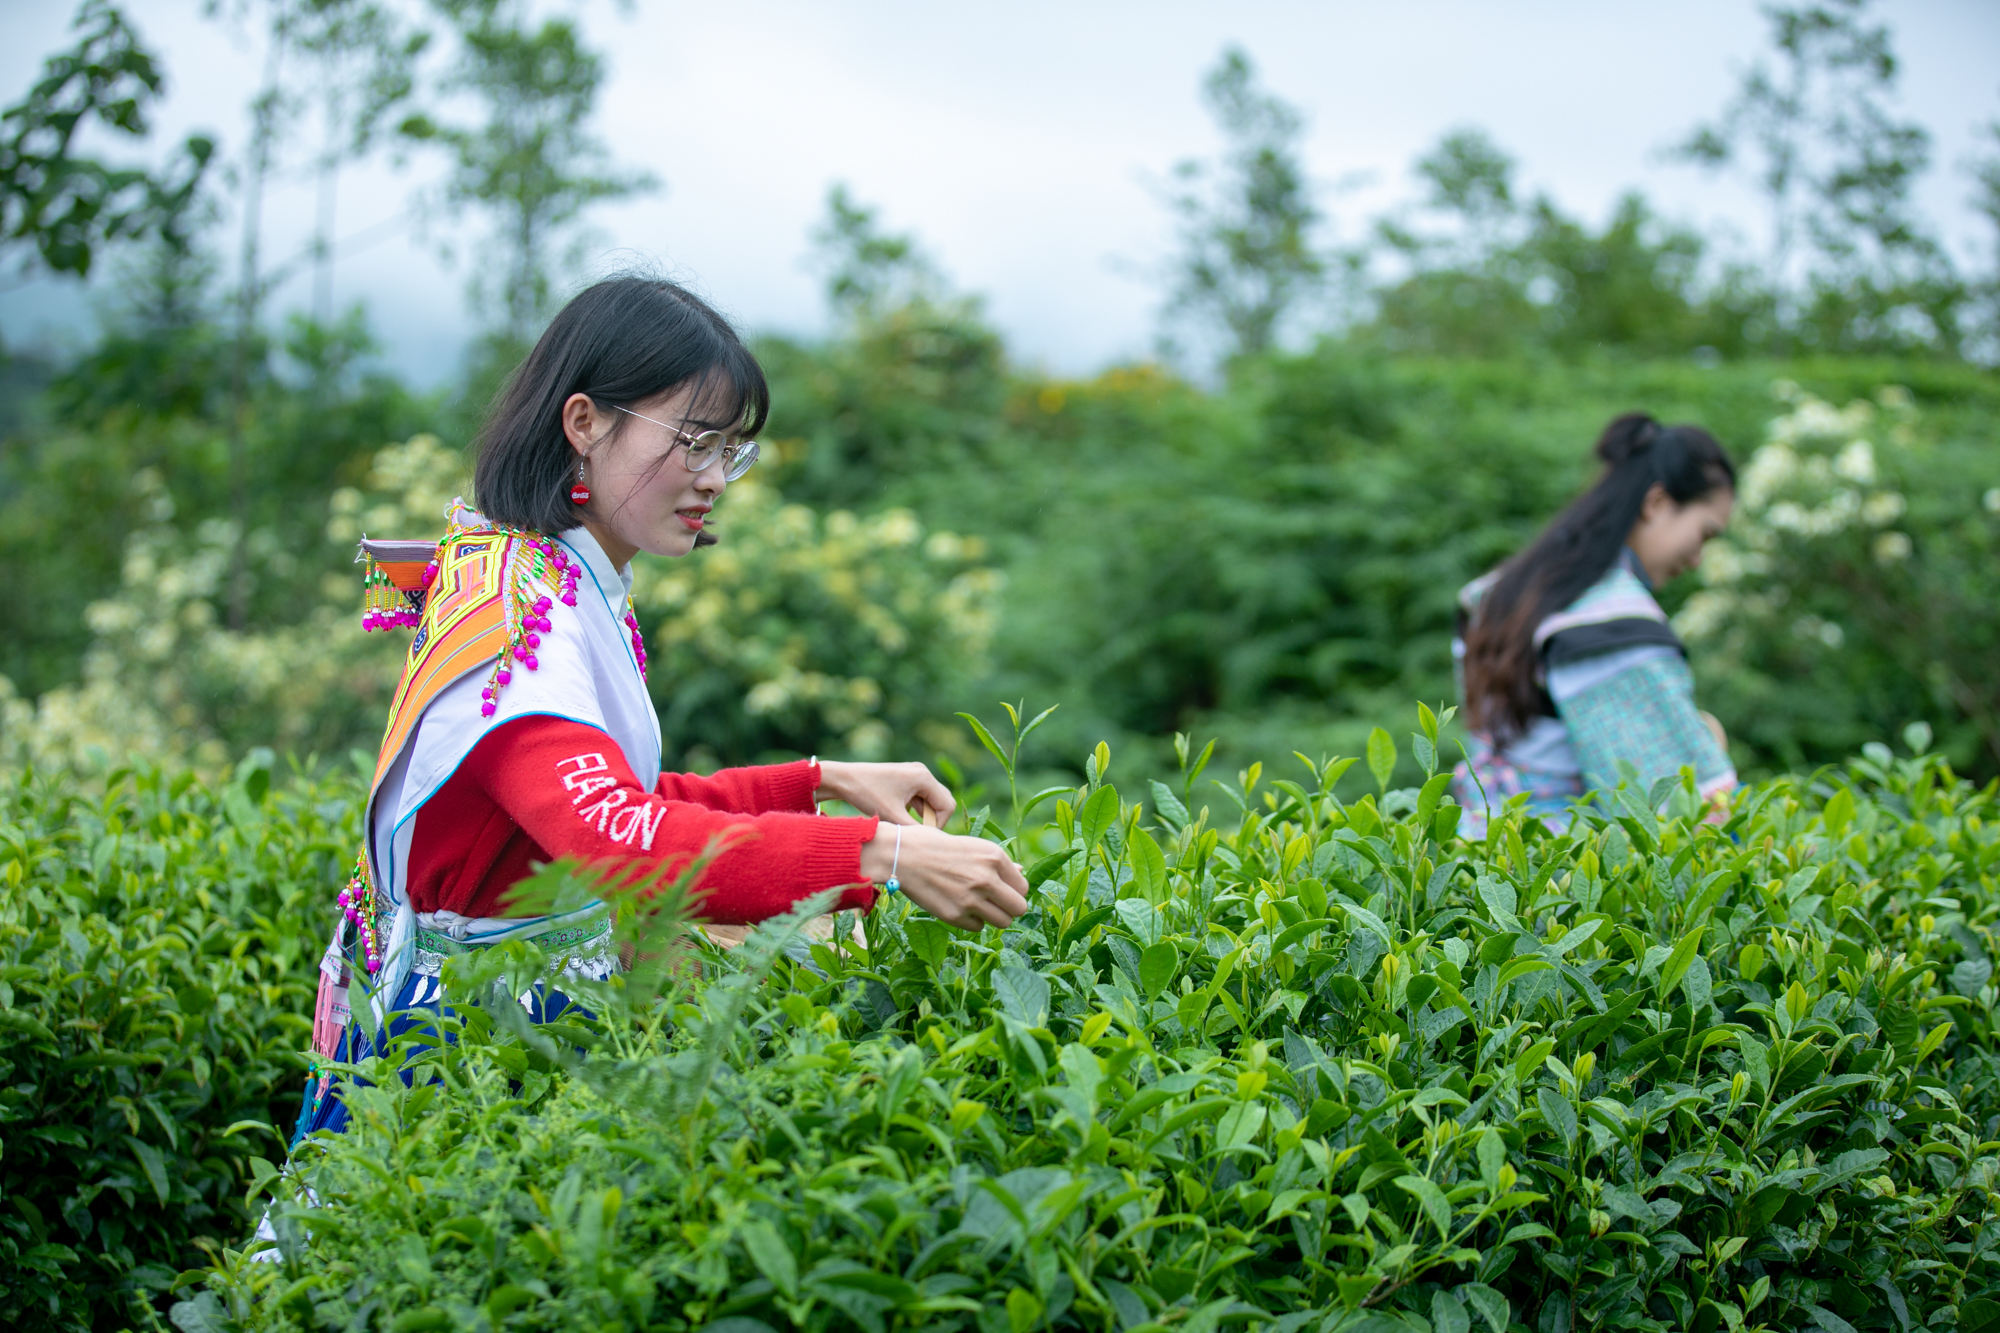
(364, 65)
(868, 271)
(912, 383)
(1816, 133)
(1469, 179)
(63, 206)
(356, 56)
(1476, 270)
(1984, 168)
(1246, 220)
(533, 165)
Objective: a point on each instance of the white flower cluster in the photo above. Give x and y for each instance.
(775, 606)
(1816, 476)
(409, 487)
(163, 665)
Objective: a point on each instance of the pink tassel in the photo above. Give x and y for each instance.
(330, 1015)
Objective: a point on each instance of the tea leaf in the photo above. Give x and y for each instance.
(1149, 865)
(1023, 994)
(986, 739)
(1428, 798)
(1239, 1125)
(1448, 1314)
(1381, 757)
(1097, 814)
(1677, 962)
(774, 1258)
(1490, 1304)
(1435, 1206)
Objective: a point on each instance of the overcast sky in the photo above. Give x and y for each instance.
(1023, 142)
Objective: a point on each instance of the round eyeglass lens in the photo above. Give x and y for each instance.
(702, 449)
(746, 454)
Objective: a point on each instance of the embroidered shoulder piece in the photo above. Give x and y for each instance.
(482, 593)
(395, 575)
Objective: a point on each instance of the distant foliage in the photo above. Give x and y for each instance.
(1304, 1063)
(64, 206)
(806, 633)
(166, 679)
(1249, 266)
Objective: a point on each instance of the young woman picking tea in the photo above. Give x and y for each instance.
(522, 730)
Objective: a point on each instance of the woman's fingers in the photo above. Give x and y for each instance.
(991, 916)
(887, 791)
(933, 794)
(968, 882)
(996, 901)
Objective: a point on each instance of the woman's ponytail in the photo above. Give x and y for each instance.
(1626, 438)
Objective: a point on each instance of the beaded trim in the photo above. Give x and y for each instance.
(585, 949)
(357, 903)
(533, 562)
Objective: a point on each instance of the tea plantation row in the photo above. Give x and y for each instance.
(1257, 1058)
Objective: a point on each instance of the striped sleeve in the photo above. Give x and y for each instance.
(1644, 715)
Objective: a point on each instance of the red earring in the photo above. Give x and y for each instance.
(579, 493)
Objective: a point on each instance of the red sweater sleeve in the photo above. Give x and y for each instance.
(570, 788)
(747, 791)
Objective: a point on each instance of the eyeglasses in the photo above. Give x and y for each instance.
(708, 446)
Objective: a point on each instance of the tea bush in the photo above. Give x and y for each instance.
(1300, 1064)
(159, 941)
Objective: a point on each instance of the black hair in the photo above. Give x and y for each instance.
(619, 342)
(1502, 692)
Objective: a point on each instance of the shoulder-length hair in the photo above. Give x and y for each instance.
(618, 342)
(1503, 693)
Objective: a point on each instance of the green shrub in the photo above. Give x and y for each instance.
(1856, 583)
(806, 633)
(1317, 1065)
(159, 944)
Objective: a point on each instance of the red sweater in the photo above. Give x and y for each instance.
(537, 788)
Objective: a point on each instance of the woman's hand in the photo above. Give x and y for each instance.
(886, 791)
(966, 882)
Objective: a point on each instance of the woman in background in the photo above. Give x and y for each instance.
(1567, 663)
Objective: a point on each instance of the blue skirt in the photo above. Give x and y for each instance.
(420, 999)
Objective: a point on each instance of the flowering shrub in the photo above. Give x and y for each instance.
(800, 633)
(1858, 576)
(166, 680)
(1310, 1065)
(806, 633)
